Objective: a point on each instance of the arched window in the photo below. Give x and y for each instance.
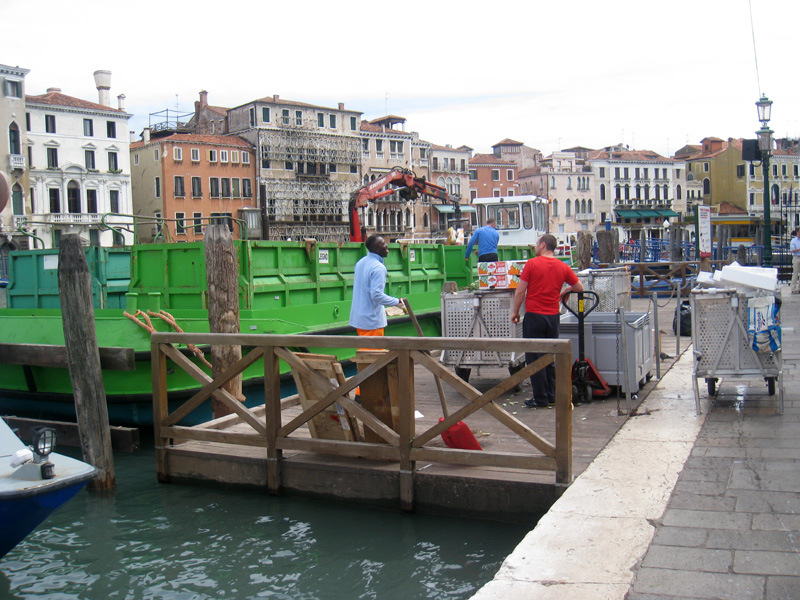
(408, 217)
(706, 186)
(618, 190)
(569, 183)
(16, 200)
(425, 220)
(678, 192)
(555, 208)
(553, 181)
(568, 208)
(666, 192)
(627, 192)
(638, 191)
(73, 197)
(583, 206)
(441, 182)
(658, 192)
(602, 191)
(13, 139)
(647, 192)
(590, 205)
(577, 207)
(775, 194)
(370, 218)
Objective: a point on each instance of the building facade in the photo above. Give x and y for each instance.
(79, 167)
(184, 182)
(450, 170)
(491, 177)
(518, 153)
(13, 161)
(308, 162)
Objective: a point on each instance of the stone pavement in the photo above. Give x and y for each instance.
(679, 506)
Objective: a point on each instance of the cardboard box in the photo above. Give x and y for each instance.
(499, 275)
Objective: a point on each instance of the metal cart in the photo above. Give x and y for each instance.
(613, 287)
(480, 314)
(722, 345)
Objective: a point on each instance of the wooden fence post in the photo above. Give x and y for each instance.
(83, 357)
(222, 274)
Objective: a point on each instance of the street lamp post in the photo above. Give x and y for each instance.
(764, 134)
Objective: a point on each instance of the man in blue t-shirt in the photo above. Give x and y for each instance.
(487, 238)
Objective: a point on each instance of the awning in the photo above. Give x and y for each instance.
(649, 213)
(668, 213)
(448, 208)
(627, 214)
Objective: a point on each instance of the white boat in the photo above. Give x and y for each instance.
(34, 482)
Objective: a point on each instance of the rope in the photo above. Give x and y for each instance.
(170, 320)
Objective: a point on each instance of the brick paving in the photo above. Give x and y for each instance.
(731, 528)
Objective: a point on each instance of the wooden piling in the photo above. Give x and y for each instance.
(222, 274)
(83, 358)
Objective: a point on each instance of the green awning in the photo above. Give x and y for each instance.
(627, 214)
(668, 213)
(648, 213)
(448, 208)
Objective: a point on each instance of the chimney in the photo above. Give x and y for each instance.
(53, 89)
(203, 99)
(102, 79)
(341, 105)
(275, 98)
(121, 102)
(133, 136)
(146, 135)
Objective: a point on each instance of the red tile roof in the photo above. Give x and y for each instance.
(193, 138)
(507, 142)
(490, 159)
(59, 99)
(629, 156)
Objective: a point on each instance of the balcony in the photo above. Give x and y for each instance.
(65, 218)
(16, 161)
(586, 217)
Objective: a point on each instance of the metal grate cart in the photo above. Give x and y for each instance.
(480, 314)
(722, 345)
(612, 286)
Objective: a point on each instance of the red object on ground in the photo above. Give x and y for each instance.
(459, 436)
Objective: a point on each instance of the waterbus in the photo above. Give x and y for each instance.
(519, 219)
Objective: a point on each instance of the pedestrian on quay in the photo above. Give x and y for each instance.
(367, 312)
(487, 238)
(794, 247)
(541, 287)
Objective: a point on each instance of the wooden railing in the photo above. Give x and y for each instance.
(405, 446)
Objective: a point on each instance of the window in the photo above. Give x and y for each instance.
(509, 174)
(111, 129)
(198, 222)
(626, 172)
(156, 154)
(496, 193)
(601, 172)
(568, 208)
(226, 187)
(265, 114)
(88, 128)
(379, 147)
(555, 208)
(602, 191)
(353, 123)
(213, 186)
(55, 200)
(91, 201)
(285, 116)
(774, 170)
(473, 174)
(89, 154)
(616, 173)
(52, 158)
(252, 114)
(113, 165)
(495, 174)
(235, 157)
(50, 123)
(740, 170)
(246, 158)
(195, 154)
(396, 149)
(136, 160)
(158, 187)
(235, 182)
(298, 117)
(197, 187)
(223, 156)
(320, 120)
(113, 200)
(247, 189)
(179, 190)
(212, 156)
(705, 167)
(783, 170)
(180, 223)
(354, 169)
(177, 153)
(13, 88)
(27, 121)
(332, 121)
(14, 146)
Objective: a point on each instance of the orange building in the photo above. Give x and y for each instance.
(490, 177)
(188, 181)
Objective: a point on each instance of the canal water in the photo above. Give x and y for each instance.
(164, 541)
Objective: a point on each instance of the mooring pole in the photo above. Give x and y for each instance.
(83, 358)
(222, 274)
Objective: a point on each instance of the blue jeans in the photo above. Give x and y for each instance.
(543, 382)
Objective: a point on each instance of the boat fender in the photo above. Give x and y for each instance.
(20, 457)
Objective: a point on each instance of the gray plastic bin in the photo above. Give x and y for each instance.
(602, 348)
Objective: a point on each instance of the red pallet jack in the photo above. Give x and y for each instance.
(587, 382)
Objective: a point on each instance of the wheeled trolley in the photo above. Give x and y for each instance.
(724, 324)
(480, 314)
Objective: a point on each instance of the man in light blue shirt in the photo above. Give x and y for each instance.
(367, 314)
(487, 238)
(794, 247)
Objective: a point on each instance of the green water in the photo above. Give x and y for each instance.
(158, 541)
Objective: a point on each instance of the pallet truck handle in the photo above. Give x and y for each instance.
(581, 298)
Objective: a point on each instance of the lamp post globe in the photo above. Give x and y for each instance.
(764, 106)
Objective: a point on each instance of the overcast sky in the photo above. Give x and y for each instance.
(653, 75)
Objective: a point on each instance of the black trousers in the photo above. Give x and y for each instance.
(492, 257)
(543, 382)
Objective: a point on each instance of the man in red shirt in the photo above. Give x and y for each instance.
(541, 286)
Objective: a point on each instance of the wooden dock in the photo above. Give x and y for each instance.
(519, 486)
